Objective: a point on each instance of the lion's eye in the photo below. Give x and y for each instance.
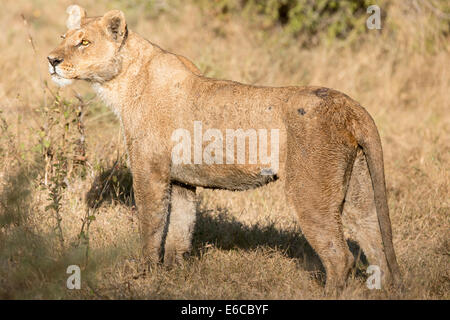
(85, 42)
(63, 36)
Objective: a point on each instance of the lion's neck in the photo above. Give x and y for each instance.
(114, 92)
(146, 70)
(109, 96)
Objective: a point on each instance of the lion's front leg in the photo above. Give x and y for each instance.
(152, 191)
(181, 224)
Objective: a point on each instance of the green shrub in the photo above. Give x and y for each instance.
(321, 18)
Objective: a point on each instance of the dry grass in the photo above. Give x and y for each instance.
(247, 244)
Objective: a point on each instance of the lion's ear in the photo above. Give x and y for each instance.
(76, 16)
(115, 24)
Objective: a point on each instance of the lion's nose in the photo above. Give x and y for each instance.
(54, 61)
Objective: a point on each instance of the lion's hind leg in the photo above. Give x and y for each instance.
(360, 217)
(317, 194)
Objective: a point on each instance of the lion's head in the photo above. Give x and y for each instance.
(89, 49)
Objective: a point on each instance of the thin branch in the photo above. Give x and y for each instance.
(30, 39)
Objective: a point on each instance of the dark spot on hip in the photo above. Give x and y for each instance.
(301, 111)
(321, 92)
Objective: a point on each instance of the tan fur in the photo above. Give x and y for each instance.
(322, 132)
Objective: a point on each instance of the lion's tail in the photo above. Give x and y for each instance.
(366, 134)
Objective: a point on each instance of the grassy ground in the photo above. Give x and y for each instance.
(247, 244)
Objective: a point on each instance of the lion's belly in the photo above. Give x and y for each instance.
(223, 176)
(249, 159)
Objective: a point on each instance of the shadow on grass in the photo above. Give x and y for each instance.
(222, 230)
(227, 233)
(32, 263)
(111, 184)
(15, 199)
(27, 258)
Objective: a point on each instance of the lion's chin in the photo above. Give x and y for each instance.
(60, 81)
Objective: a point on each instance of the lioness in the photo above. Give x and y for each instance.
(329, 150)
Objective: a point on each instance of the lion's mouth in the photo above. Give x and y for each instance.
(54, 72)
(58, 79)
